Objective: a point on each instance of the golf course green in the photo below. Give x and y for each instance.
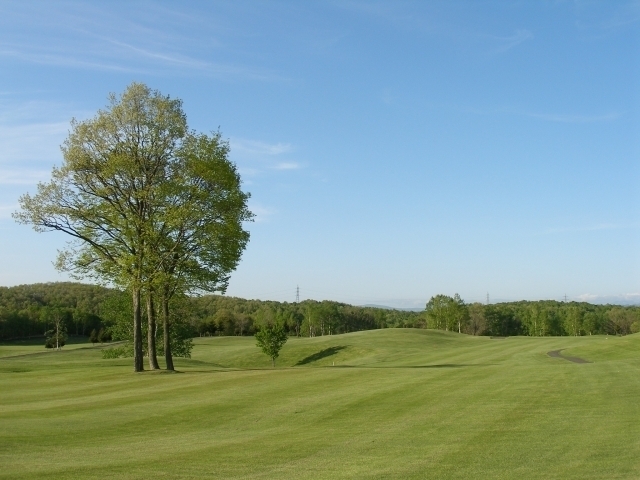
(394, 403)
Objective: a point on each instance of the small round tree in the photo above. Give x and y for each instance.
(271, 338)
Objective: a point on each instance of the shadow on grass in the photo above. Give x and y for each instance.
(558, 354)
(327, 352)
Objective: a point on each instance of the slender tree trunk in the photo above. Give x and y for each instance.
(138, 361)
(151, 332)
(165, 331)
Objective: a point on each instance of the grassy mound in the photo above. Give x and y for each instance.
(376, 404)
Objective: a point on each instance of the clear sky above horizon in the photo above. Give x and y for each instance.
(393, 150)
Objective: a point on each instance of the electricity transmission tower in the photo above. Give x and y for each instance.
(297, 294)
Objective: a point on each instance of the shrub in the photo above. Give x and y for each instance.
(117, 352)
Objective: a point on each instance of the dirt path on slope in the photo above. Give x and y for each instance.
(557, 354)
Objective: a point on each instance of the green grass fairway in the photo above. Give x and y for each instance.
(376, 404)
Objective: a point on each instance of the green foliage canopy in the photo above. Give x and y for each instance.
(151, 206)
(271, 339)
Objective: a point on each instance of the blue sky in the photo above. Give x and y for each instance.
(393, 150)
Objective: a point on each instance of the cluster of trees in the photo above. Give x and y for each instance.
(540, 318)
(152, 208)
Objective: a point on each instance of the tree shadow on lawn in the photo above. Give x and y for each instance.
(558, 354)
(327, 352)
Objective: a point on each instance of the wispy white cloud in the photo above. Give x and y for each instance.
(597, 20)
(254, 147)
(164, 57)
(511, 41)
(548, 117)
(23, 176)
(255, 157)
(175, 59)
(147, 41)
(248, 171)
(398, 15)
(262, 213)
(287, 166)
(64, 60)
(32, 111)
(432, 20)
(7, 210)
(626, 15)
(115, 61)
(31, 142)
(30, 139)
(568, 118)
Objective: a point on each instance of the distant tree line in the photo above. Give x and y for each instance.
(538, 318)
(103, 314)
(220, 315)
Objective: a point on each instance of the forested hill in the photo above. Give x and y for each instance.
(61, 294)
(28, 310)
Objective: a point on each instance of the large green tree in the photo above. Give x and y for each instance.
(145, 202)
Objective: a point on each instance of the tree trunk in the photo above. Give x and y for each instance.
(138, 360)
(165, 331)
(151, 332)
